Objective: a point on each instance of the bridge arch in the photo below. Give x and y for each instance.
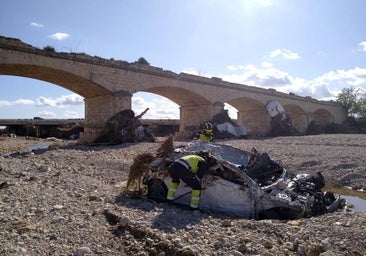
(86, 85)
(231, 110)
(181, 96)
(194, 108)
(160, 107)
(252, 113)
(322, 116)
(298, 116)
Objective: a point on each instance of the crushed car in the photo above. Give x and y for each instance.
(281, 123)
(240, 183)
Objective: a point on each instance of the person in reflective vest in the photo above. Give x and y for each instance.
(206, 134)
(190, 169)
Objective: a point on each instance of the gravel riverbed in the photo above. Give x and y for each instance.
(69, 200)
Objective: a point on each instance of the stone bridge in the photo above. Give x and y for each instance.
(108, 85)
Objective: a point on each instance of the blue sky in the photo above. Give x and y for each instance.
(307, 47)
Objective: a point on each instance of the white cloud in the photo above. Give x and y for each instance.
(354, 77)
(46, 114)
(71, 114)
(287, 54)
(5, 103)
(159, 107)
(266, 64)
(363, 45)
(324, 87)
(59, 36)
(63, 101)
(265, 77)
(339, 79)
(234, 68)
(37, 25)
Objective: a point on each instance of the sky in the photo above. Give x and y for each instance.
(307, 47)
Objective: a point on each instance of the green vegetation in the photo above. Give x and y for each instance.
(354, 102)
(142, 61)
(49, 48)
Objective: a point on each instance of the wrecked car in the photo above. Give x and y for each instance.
(245, 184)
(281, 123)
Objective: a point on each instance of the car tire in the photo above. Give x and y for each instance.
(157, 190)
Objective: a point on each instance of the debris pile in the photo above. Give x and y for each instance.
(138, 168)
(281, 123)
(141, 167)
(225, 128)
(125, 127)
(247, 184)
(72, 132)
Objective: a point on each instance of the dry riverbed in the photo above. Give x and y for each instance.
(69, 201)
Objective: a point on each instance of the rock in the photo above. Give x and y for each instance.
(289, 246)
(217, 245)
(4, 185)
(58, 219)
(267, 244)
(242, 248)
(82, 251)
(58, 207)
(227, 223)
(328, 253)
(294, 222)
(356, 253)
(326, 244)
(178, 243)
(45, 169)
(301, 250)
(188, 251)
(125, 221)
(313, 250)
(237, 253)
(23, 173)
(111, 217)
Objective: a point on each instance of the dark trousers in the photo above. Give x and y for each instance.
(179, 172)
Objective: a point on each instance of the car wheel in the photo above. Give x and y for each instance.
(157, 190)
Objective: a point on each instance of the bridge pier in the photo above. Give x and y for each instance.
(190, 119)
(98, 110)
(256, 120)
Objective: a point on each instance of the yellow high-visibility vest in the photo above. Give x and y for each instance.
(193, 160)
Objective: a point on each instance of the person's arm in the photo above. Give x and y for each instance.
(202, 169)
